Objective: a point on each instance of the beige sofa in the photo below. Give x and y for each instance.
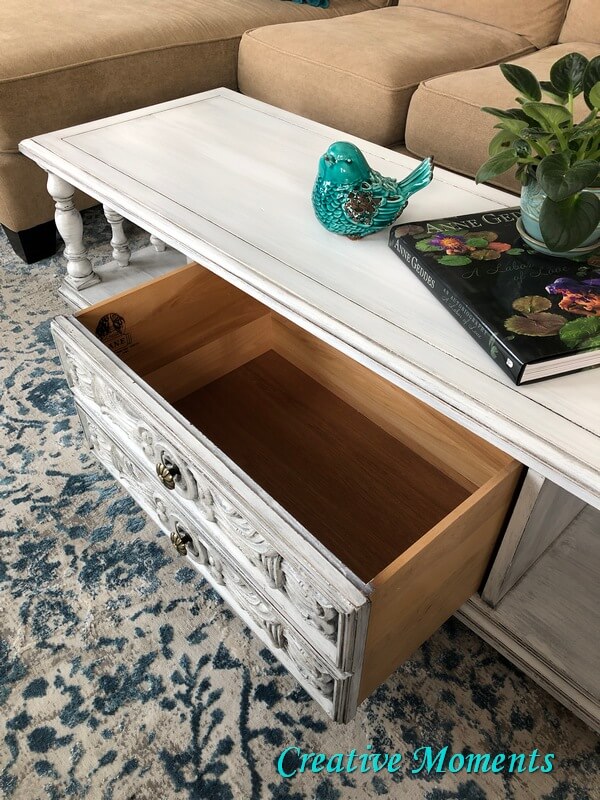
(63, 62)
(418, 73)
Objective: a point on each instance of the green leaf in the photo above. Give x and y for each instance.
(512, 125)
(531, 304)
(579, 133)
(590, 344)
(454, 261)
(590, 122)
(559, 180)
(523, 80)
(547, 115)
(566, 74)
(567, 224)
(594, 95)
(521, 148)
(534, 133)
(521, 174)
(590, 79)
(495, 165)
(477, 241)
(515, 251)
(583, 334)
(509, 113)
(489, 236)
(525, 173)
(500, 142)
(541, 323)
(425, 247)
(555, 95)
(485, 254)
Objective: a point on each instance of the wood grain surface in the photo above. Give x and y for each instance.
(366, 496)
(425, 585)
(173, 315)
(466, 458)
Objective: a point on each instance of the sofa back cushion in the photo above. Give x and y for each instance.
(582, 23)
(539, 21)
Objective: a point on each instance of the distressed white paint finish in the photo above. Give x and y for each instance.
(158, 244)
(313, 590)
(227, 180)
(120, 247)
(549, 623)
(68, 222)
(542, 512)
(144, 265)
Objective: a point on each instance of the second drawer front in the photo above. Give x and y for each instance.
(334, 689)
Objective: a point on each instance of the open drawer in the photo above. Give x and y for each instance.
(362, 516)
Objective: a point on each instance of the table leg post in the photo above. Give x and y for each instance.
(157, 243)
(80, 274)
(120, 247)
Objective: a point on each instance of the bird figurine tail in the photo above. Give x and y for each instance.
(418, 179)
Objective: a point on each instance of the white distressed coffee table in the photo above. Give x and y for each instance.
(226, 181)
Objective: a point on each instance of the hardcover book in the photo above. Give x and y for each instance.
(537, 316)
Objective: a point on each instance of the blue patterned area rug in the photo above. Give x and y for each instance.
(124, 677)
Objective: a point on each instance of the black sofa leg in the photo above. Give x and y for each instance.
(35, 243)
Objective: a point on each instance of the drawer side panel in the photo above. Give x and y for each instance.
(425, 586)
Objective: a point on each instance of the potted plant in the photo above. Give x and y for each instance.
(557, 159)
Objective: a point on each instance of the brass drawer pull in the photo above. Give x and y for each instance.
(181, 541)
(168, 474)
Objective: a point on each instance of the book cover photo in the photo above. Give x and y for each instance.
(537, 316)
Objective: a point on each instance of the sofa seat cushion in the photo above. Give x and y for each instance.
(445, 118)
(358, 73)
(64, 62)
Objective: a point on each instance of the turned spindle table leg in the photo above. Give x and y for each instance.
(120, 247)
(157, 243)
(80, 274)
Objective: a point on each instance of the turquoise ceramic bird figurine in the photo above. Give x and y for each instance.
(354, 200)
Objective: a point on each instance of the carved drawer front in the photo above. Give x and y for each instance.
(343, 518)
(322, 679)
(281, 562)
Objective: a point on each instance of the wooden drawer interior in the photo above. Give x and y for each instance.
(407, 499)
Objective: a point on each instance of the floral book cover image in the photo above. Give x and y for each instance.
(537, 316)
